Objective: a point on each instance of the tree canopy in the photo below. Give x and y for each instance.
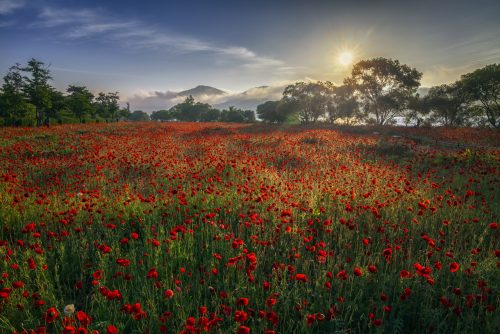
(483, 86)
(384, 87)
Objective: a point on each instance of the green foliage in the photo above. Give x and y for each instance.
(209, 115)
(27, 98)
(236, 115)
(448, 104)
(38, 89)
(163, 115)
(80, 102)
(342, 105)
(108, 104)
(191, 111)
(138, 115)
(384, 87)
(14, 106)
(274, 111)
(311, 99)
(483, 86)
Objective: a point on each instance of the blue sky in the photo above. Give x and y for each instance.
(143, 47)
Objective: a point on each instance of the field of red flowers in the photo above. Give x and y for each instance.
(172, 227)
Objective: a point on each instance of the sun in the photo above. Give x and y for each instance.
(345, 58)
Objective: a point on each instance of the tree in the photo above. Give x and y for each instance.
(113, 106)
(80, 102)
(268, 112)
(483, 85)
(14, 106)
(191, 111)
(448, 105)
(186, 111)
(138, 115)
(416, 111)
(342, 105)
(203, 112)
(384, 87)
(248, 116)
(59, 106)
(124, 113)
(38, 89)
(310, 99)
(209, 114)
(232, 115)
(107, 106)
(101, 106)
(163, 115)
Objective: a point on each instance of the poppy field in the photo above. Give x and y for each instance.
(211, 227)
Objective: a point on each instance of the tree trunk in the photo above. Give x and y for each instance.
(38, 116)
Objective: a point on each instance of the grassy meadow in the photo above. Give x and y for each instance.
(227, 228)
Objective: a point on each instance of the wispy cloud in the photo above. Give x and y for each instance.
(86, 23)
(470, 53)
(8, 6)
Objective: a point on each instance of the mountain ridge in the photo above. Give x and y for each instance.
(201, 90)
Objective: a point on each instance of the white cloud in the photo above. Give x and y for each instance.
(8, 6)
(87, 23)
(49, 17)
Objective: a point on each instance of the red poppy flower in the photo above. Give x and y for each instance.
(242, 301)
(5, 292)
(243, 330)
(404, 274)
(17, 284)
(240, 316)
(69, 330)
(111, 330)
(83, 318)
(301, 277)
(169, 294)
(123, 262)
(51, 315)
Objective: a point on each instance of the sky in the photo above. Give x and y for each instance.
(146, 48)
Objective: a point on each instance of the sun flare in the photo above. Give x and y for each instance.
(345, 58)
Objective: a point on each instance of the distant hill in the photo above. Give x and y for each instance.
(248, 99)
(201, 90)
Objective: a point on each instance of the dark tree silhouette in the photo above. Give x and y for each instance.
(384, 87)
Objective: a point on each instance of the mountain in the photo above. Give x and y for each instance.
(248, 99)
(201, 90)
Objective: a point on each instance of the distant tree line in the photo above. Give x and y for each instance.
(382, 91)
(191, 111)
(378, 91)
(27, 98)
